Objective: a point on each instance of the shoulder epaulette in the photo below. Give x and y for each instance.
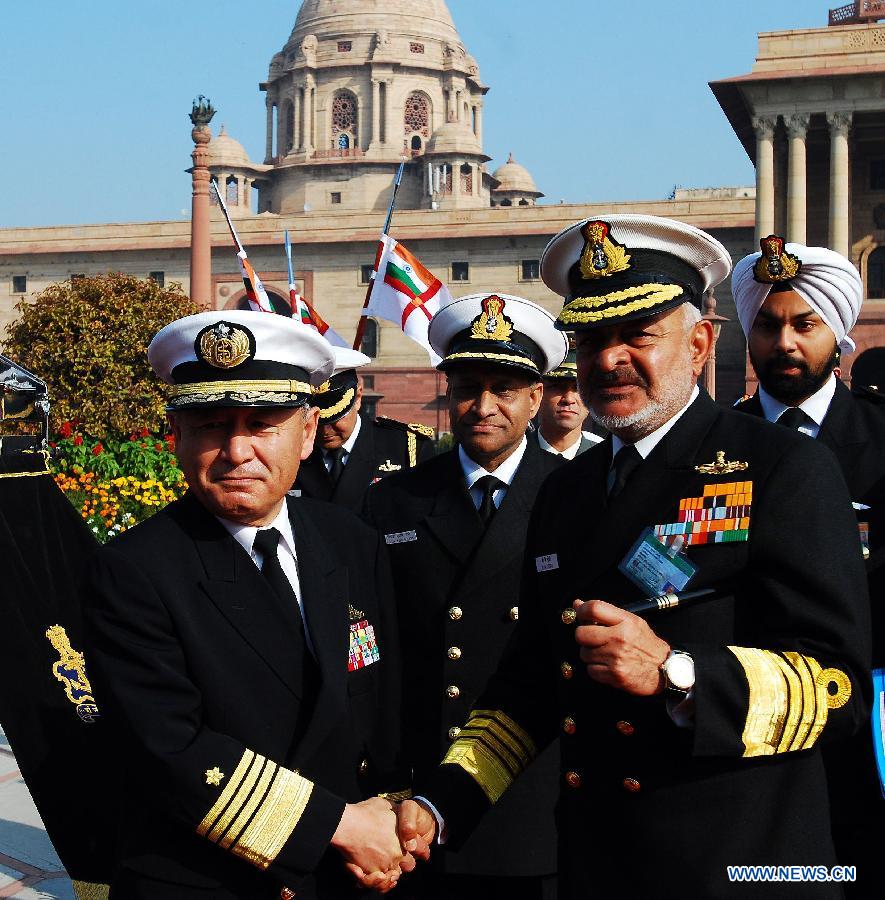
(424, 431)
(870, 394)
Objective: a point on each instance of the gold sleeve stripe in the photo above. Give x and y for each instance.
(397, 796)
(247, 785)
(520, 740)
(247, 809)
(227, 794)
(87, 890)
(482, 765)
(789, 699)
(485, 736)
(275, 820)
(810, 712)
(794, 712)
(492, 749)
(258, 810)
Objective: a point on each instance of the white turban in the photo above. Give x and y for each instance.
(827, 282)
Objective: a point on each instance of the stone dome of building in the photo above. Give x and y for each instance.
(514, 177)
(333, 18)
(227, 151)
(454, 138)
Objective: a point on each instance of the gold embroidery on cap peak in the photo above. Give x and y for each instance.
(224, 346)
(342, 404)
(491, 324)
(602, 255)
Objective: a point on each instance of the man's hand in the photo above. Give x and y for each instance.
(619, 648)
(366, 838)
(416, 827)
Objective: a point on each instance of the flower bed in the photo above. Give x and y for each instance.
(114, 484)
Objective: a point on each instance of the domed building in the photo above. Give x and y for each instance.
(231, 166)
(357, 86)
(515, 186)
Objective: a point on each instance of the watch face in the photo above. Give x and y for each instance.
(679, 669)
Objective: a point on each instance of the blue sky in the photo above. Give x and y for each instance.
(601, 101)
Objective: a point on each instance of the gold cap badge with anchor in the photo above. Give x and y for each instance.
(775, 265)
(491, 324)
(602, 255)
(224, 346)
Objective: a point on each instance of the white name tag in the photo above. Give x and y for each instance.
(401, 537)
(547, 563)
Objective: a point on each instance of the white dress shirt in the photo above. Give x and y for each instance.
(347, 446)
(815, 407)
(473, 471)
(569, 452)
(244, 535)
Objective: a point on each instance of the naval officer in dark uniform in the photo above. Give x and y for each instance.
(561, 416)
(243, 644)
(456, 527)
(353, 452)
(797, 320)
(690, 740)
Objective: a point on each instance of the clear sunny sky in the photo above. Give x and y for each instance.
(601, 101)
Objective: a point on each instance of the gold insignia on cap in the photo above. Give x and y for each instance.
(214, 776)
(224, 346)
(721, 466)
(491, 324)
(775, 265)
(324, 388)
(602, 255)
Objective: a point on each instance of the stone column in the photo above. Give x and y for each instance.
(309, 112)
(479, 123)
(296, 119)
(201, 240)
(268, 147)
(764, 128)
(376, 113)
(797, 179)
(840, 125)
(392, 133)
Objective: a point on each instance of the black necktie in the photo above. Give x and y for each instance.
(306, 672)
(626, 460)
(488, 484)
(792, 418)
(337, 467)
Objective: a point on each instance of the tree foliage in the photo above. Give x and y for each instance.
(87, 339)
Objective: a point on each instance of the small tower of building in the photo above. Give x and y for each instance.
(515, 185)
(235, 172)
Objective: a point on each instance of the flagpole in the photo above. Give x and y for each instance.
(361, 327)
(230, 224)
(288, 246)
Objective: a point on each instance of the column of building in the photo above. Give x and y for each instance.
(797, 178)
(764, 127)
(838, 237)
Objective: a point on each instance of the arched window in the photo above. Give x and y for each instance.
(876, 274)
(416, 117)
(344, 120)
(288, 126)
(416, 142)
(369, 344)
(232, 194)
(466, 179)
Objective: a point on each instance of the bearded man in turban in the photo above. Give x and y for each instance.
(797, 306)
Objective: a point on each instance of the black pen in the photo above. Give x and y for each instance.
(669, 601)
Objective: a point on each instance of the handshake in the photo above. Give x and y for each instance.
(380, 840)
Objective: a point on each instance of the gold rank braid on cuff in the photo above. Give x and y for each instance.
(258, 810)
(587, 309)
(789, 699)
(493, 750)
(86, 890)
(397, 796)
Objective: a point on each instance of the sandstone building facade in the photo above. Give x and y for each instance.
(360, 83)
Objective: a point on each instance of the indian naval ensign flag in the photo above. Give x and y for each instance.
(406, 293)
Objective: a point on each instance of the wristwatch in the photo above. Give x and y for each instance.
(678, 671)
